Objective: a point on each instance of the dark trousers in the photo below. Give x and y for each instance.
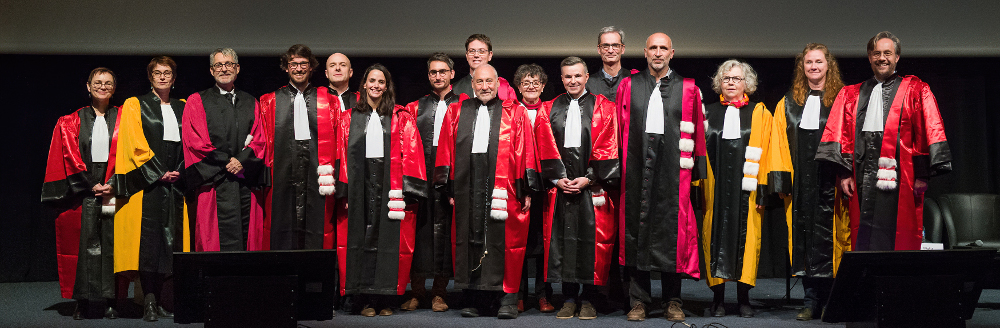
(817, 292)
(639, 287)
(572, 292)
(420, 290)
(542, 288)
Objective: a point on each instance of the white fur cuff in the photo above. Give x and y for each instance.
(249, 139)
(108, 209)
(886, 163)
(751, 168)
(753, 153)
(686, 145)
(886, 184)
(396, 193)
(749, 184)
(499, 215)
(499, 204)
(324, 169)
(397, 204)
(499, 194)
(687, 163)
(884, 174)
(599, 200)
(687, 127)
(397, 215)
(325, 180)
(327, 190)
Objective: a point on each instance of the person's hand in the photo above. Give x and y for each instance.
(846, 185)
(451, 201)
(580, 183)
(527, 204)
(919, 186)
(101, 190)
(234, 166)
(170, 177)
(566, 185)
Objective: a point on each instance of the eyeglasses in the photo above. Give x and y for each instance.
(226, 65)
(735, 79)
(441, 72)
(614, 46)
(876, 54)
(477, 51)
(531, 84)
(166, 74)
(292, 65)
(108, 84)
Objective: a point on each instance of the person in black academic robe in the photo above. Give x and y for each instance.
(382, 177)
(578, 152)
(150, 223)
(486, 164)
(223, 149)
(432, 252)
(611, 47)
(80, 164)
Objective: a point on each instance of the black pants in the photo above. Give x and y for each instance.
(817, 292)
(542, 288)
(572, 292)
(639, 287)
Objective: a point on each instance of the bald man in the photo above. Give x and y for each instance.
(486, 165)
(339, 72)
(662, 158)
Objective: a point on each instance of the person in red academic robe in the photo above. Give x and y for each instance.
(432, 252)
(223, 150)
(382, 176)
(887, 137)
(656, 215)
(339, 72)
(479, 51)
(486, 164)
(578, 151)
(300, 150)
(80, 164)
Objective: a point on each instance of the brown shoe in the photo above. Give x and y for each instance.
(567, 311)
(638, 313)
(587, 311)
(674, 311)
(545, 306)
(805, 314)
(410, 305)
(438, 304)
(385, 312)
(368, 311)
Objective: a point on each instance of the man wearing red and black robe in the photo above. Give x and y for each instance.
(479, 51)
(887, 136)
(300, 151)
(486, 164)
(432, 255)
(578, 151)
(85, 222)
(663, 152)
(223, 150)
(339, 72)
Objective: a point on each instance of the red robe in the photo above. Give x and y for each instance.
(67, 188)
(498, 179)
(210, 139)
(656, 215)
(280, 229)
(375, 238)
(913, 138)
(579, 230)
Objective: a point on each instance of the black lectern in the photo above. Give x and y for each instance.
(908, 288)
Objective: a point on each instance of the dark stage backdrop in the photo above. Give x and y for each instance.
(37, 89)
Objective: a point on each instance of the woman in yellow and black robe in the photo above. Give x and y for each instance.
(151, 222)
(736, 137)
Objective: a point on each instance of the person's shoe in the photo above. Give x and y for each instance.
(470, 312)
(805, 314)
(674, 312)
(638, 313)
(410, 305)
(587, 311)
(567, 311)
(368, 311)
(507, 312)
(746, 311)
(163, 313)
(385, 312)
(111, 313)
(545, 306)
(149, 310)
(717, 310)
(438, 304)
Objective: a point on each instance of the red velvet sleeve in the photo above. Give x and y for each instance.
(444, 163)
(550, 162)
(837, 143)
(64, 167)
(414, 168)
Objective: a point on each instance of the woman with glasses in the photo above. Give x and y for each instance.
(819, 229)
(151, 222)
(530, 80)
(382, 176)
(736, 138)
(81, 163)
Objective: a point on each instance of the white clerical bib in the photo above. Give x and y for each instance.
(532, 113)
(373, 137)
(442, 109)
(573, 124)
(731, 126)
(171, 131)
(301, 118)
(873, 115)
(654, 111)
(481, 135)
(100, 143)
(810, 114)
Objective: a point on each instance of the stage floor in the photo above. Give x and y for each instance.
(38, 305)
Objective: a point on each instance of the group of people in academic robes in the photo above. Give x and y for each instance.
(626, 173)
